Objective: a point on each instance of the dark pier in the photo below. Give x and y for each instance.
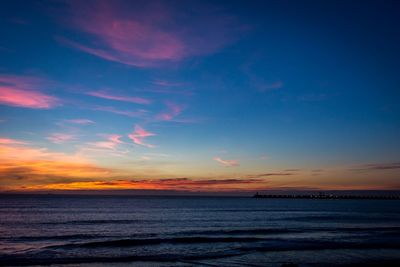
(326, 196)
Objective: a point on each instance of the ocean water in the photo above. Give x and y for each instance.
(197, 231)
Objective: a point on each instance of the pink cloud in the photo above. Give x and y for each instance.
(172, 111)
(139, 135)
(80, 121)
(23, 91)
(59, 138)
(115, 138)
(148, 34)
(9, 141)
(226, 163)
(105, 95)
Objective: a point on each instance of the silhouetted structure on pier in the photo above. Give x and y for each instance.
(326, 196)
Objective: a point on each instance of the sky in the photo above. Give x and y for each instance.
(199, 96)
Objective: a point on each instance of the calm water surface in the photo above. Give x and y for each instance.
(191, 231)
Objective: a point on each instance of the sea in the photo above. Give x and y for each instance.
(73, 230)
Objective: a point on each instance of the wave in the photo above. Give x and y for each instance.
(95, 222)
(55, 237)
(274, 231)
(250, 231)
(336, 218)
(231, 236)
(273, 245)
(315, 245)
(156, 241)
(159, 257)
(214, 233)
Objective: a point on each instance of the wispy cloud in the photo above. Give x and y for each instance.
(153, 33)
(59, 138)
(226, 163)
(9, 141)
(80, 121)
(111, 142)
(24, 91)
(260, 175)
(378, 166)
(265, 86)
(258, 80)
(171, 112)
(130, 99)
(138, 113)
(139, 135)
(115, 138)
(165, 83)
(169, 91)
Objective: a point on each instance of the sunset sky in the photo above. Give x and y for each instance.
(199, 95)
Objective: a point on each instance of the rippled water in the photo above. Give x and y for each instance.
(186, 231)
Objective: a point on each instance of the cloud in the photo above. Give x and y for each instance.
(38, 169)
(317, 170)
(378, 166)
(112, 141)
(59, 138)
(165, 83)
(264, 86)
(179, 184)
(80, 121)
(130, 99)
(138, 113)
(26, 167)
(115, 138)
(226, 163)
(270, 174)
(9, 141)
(139, 135)
(171, 112)
(146, 34)
(260, 81)
(35, 165)
(24, 91)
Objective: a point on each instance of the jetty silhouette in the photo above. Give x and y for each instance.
(325, 196)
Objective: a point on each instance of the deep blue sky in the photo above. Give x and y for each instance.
(209, 91)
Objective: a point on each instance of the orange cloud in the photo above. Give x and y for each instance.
(27, 165)
(31, 168)
(182, 184)
(23, 91)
